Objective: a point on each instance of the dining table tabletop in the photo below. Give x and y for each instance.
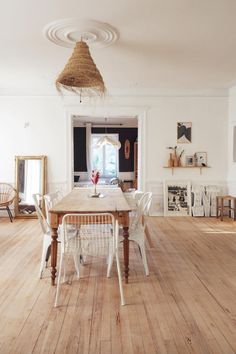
(81, 200)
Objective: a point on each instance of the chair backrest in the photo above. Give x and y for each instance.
(143, 208)
(96, 233)
(138, 195)
(7, 194)
(144, 203)
(38, 199)
(50, 200)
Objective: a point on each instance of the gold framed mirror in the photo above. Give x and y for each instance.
(30, 178)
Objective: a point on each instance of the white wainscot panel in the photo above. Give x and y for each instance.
(157, 206)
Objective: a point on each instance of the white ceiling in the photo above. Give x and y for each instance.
(163, 44)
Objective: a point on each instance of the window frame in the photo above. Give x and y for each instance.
(113, 135)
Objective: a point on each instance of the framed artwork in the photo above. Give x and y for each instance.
(190, 161)
(127, 149)
(184, 132)
(177, 198)
(201, 159)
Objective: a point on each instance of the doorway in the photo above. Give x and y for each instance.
(100, 111)
(118, 160)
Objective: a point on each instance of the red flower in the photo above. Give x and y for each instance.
(95, 176)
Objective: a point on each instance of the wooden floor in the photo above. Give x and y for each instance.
(186, 305)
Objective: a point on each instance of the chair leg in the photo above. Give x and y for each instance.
(58, 282)
(9, 213)
(144, 258)
(46, 246)
(142, 251)
(48, 254)
(109, 266)
(120, 279)
(65, 263)
(82, 259)
(76, 257)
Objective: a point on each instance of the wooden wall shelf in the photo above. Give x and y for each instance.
(199, 167)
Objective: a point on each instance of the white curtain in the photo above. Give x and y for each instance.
(89, 148)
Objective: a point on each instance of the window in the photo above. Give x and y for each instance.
(105, 158)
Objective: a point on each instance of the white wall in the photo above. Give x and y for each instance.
(232, 123)
(47, 134)
(32, 126)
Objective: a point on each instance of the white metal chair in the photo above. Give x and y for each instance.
(133, 197)
(46, 250)
(50, 200)
(97, 236)
(138, 225)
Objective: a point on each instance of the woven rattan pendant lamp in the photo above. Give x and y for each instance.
(80, 74)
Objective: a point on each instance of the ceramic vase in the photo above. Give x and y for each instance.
(176, 162)
(170, 161)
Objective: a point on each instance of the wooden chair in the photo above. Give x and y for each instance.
(221, 208)
(97, 236)
(7, 196)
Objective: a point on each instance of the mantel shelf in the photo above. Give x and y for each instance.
(199, 167)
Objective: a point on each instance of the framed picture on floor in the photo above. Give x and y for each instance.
(177, 198)
(184, 132)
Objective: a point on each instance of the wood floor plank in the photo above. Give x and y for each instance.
(186, 305)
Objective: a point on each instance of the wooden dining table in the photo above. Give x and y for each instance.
(79, 201)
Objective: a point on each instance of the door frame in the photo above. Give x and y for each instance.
(139, 113)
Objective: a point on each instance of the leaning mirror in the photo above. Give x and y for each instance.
(30, 179)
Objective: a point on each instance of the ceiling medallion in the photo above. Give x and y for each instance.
(67, 32)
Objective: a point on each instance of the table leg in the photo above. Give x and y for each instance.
(217, 207)
(126, 252)
(54, 255)
(234, 201)
(222, 209)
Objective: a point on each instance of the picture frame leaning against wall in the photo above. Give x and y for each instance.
(177, 198)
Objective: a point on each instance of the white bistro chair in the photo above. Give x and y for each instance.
(46, 250)
(97, 236)
(50, 200)
(138, 225)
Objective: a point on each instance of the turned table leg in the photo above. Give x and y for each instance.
(234, 209)
(126, 252)
(222, 209)
(54, 255)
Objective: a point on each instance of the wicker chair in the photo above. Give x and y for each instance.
(7, 196)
